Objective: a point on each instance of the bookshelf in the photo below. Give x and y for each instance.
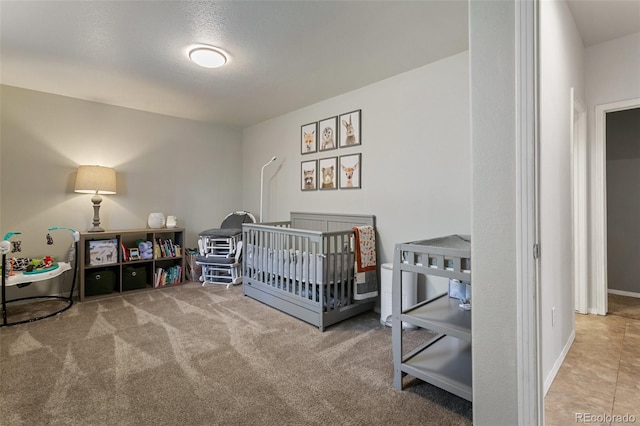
(113, 262)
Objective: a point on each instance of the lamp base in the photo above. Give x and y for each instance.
(96, 200)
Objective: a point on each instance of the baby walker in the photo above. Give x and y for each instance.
(24, 274)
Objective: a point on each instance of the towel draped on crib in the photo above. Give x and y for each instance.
(366, 279)
(365, 248)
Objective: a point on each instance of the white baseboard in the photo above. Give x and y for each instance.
(624, 293)
(558, 363)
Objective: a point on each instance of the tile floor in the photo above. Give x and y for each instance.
(599, 381)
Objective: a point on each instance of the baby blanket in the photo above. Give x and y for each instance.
(365, 248)
(366, 282)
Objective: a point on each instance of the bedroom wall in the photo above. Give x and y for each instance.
(415, 156)
(611, 75)
(561, 68)
(623, 201)
(176, 166)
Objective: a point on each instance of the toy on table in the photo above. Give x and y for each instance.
(37, 266)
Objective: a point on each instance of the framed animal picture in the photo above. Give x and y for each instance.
(308, 138)
(328, 168)
(350, 171)
(309, 175)
(328, 133)
(350, 129)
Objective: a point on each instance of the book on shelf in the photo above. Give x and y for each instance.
(162, 244)
(166, 248)
(125, 253)
(169, 276)
(158, 278)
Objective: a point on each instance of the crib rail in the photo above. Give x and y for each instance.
(305, 267)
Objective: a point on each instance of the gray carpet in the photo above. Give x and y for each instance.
(190, 355)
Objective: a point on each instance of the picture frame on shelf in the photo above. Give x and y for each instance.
(308, 138)
(328, 131)
(328, 173)
(309, 175)
(350, 129)
(351, 171)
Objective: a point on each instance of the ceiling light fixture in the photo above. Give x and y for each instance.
(208, 56)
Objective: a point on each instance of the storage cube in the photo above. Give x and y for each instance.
(134, 278)
(99, 282)
(103, 252)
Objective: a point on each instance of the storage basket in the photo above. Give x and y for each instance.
(134, 278)
(99, 282)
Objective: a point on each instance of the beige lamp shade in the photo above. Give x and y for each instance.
(95, 180)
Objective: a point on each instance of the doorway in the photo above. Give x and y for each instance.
(599, 200)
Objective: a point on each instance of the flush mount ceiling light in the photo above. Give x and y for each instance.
(208, 56)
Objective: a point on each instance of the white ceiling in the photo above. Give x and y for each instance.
(284, 54)
(604, 20)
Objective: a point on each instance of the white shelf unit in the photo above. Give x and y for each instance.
(445, 360)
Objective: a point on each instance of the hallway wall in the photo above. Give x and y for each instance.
(561, 68)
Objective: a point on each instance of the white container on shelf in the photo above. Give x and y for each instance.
(172, 221)
(155, 220)
(409, 293)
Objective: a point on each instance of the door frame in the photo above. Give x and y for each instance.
(529, 357)
(579, 208)
(599, 197)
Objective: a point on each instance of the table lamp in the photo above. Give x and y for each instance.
(96, 180)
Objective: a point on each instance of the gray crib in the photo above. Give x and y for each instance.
(305, 267)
